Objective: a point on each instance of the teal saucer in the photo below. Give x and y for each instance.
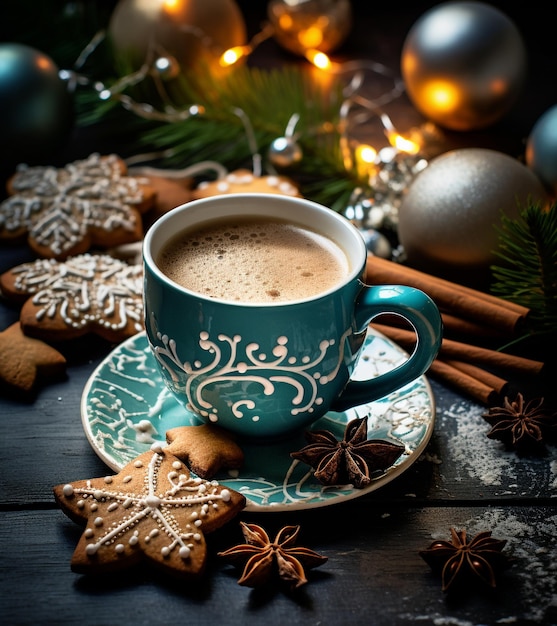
(125, 408)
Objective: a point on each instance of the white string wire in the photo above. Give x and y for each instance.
(352, 92)
(177, 174)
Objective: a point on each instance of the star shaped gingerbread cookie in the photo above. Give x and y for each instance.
(153, 510)
(25, 361)
(205, 448)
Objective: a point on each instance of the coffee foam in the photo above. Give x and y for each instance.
(255, 261)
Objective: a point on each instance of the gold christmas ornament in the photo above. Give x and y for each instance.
(189, 31)
(463, 64)
(303, 25)
(448, 217)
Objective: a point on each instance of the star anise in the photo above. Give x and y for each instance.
(352, 460)
(262, 559)
(522, 425)
(460, 560)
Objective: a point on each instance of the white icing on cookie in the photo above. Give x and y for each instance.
(244, 181)
(59, 206)
(153, 499)
(84, 289)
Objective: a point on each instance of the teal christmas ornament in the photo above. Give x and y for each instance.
(36, 109)
(541, 149)
(463, 64)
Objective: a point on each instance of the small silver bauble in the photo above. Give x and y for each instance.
(376, 243)
(285, 152)
(376, 206)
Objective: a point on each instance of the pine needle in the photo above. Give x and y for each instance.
(528, 274)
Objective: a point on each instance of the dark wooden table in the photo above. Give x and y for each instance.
(374, 574)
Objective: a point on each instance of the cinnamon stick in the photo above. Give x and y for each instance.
(454, 326)
(459, 300)
(500, 385)
(457, 350)
(464, 383)
(458, 326)
(409, 271)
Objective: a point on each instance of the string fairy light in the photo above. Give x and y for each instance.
(157, 65)
(236, 53)
(384, 172)
(319, 59)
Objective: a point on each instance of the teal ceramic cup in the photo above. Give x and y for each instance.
(264, 371)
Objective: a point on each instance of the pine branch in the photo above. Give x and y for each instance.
(528, 275)
(268, 98)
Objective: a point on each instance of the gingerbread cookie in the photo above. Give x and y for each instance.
(25, 362)
(244, 181)
(153, 510)
(66, 211)
(206, 448)
(170, 193)
(83, 294)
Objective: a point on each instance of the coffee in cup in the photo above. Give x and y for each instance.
(256, 260)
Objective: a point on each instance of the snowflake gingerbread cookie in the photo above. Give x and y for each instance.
(81, 295)
(67, 211)
(153, 511)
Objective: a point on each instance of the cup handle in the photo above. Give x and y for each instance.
(422, 313)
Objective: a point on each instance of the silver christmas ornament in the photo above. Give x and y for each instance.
(285, 152)
(376, 243)
(376, 206)
(463, 64)
(541, 149)
(360, 212)
(448, 216)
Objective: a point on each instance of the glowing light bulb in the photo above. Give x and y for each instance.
(366, 153)
(233, 55)
(311, 37)
(364, 156)
(171, 5)
(404, 145)
(319, 59)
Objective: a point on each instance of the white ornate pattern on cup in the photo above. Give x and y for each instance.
(229, 364)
